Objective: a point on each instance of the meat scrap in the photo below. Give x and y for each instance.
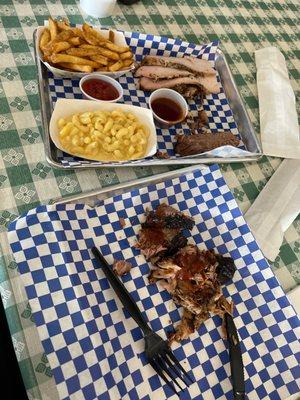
(193, 277)
(202, 118)
(121, 267)
(162, 155)
(198, 123)
(189, 324)
(122, 222)
(187, 145)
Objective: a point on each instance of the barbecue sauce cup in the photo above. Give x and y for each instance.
(168, 107)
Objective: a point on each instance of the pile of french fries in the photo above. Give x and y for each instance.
(82, 49)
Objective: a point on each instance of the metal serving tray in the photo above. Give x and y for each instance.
(235, 101)
(93, 197)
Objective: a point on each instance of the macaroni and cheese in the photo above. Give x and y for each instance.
(104, 135)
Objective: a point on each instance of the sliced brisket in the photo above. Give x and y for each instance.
(207, 84)
(156, 73)
(187, 63)
(195, 144)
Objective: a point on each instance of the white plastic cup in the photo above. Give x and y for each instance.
(172, 95)
(98, 8)
(104, 78)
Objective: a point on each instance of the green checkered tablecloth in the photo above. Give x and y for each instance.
(25, 177)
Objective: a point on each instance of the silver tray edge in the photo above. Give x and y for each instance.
(92, 196)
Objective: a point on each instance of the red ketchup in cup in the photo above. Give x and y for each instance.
(100, 87)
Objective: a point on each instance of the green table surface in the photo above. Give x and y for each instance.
(26, 179)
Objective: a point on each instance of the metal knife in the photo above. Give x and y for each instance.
(236, 360)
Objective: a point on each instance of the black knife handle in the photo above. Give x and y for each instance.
(239, 396)
(236, 360)
(122, 293)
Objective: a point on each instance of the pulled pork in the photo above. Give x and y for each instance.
(121, 267)
(192, 276)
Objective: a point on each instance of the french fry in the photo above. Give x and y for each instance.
(127, 63)
(102, 69)
(75, 41)
(78, 32)
(45, 38)
(111, 36)
(99, 59)
(89, 36)
(53, 28)
(116, 66)
(93, 34)
(46, 58)
(109, 54)
(114, 47)
(63, 25)
(60, 46)
(63, 36)
(88, 46)
(125, 56)
(90, 39)
(99, 51)
(77, 51)
(66, 58)
(76, 67)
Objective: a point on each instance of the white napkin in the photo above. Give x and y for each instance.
(275, 208)
(277, 110)
(294, 298)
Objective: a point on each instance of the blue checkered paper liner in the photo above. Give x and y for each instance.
(94, 347)
(216, 105)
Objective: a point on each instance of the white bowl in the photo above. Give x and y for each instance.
(119, 40)
(172, 95)
(104, 78)
(66, 107)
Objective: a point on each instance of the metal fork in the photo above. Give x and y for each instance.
(157, 350)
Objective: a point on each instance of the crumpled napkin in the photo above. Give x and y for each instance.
(277, 107)
(275, 208)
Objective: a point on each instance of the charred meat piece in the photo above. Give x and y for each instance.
(188, 63)
(195, 144)
(168, 217)
(162, 232)
(225, 268)
(121, 267)
(207, 84)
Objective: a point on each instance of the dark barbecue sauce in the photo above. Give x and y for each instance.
(100, 90)
(167, 109)
(190, 264)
